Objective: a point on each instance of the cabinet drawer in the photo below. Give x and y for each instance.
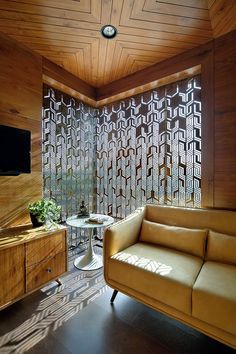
(44, 248)
(12, 274)
(41, 273)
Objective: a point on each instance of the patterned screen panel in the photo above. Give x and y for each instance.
(149, 150)
(144, 149)
(69, 151)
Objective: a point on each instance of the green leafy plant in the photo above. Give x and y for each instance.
(45, 210)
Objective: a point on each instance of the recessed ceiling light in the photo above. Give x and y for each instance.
(108, 31)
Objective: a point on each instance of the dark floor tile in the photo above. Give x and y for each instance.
(16, 314)
(125, 308)
(179, 338)
(49, 346)
(95, 331)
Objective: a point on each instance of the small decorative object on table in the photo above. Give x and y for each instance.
(96, 220)
(44, 211)
(83, 211)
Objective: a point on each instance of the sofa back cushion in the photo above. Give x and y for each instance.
(221, 248)
(191, 241)
(223, 221)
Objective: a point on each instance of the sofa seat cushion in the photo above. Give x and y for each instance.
(214, 296)
(163, 274)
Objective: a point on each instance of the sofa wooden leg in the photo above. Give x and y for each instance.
(115, 292)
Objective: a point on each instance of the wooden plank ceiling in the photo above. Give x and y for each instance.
(67, 32)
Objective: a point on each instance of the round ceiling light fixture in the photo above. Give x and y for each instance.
(108, 31)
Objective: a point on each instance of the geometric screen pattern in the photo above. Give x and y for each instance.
(149, 150)
(145, 149)
(69, 152)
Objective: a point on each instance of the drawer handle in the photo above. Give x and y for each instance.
(49, 270)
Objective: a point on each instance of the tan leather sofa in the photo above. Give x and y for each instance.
(179, 261)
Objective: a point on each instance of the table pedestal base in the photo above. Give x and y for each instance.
(89, 263)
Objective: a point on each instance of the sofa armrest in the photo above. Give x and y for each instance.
(121, 235)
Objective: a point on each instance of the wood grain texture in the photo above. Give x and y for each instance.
(68, 33)
(12, 276)
(60, 75)
(47, 247)
(29, 258)
(20, 107)
(225, 121)
(23, 234)
(222, 15)
(68, 90)
(207, 158)
(20, 76)
(41, 273)
(157, 71)
(180, 75)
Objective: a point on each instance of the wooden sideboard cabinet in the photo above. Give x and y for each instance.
(30, 258)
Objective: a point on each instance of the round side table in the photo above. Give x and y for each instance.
(91, 260)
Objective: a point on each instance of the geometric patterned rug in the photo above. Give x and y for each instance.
(57, 304)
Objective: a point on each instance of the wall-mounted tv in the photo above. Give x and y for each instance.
(15, 151)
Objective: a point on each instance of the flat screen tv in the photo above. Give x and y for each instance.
(15, 151)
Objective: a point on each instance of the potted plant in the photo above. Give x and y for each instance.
(44, 210)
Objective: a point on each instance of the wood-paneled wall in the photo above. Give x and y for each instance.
(225, 122)
(20, 107)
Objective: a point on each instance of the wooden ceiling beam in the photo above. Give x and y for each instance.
(155, 72)
(170, 70)
(183, 65)
(56, 76)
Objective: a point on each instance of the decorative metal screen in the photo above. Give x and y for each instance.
(149, 150)
(69, 152)
(144, 149)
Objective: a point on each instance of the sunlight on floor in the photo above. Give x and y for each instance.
(58, 305)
